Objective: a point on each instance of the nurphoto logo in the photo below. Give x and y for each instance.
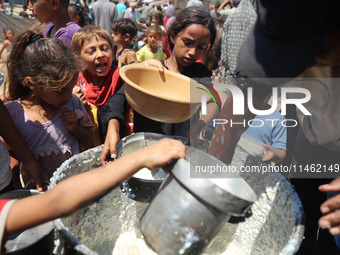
(239, 103)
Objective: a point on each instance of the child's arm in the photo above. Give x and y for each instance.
(11, 135)
(72, 195)
(15, 166)
(4, 46)
(111, 140)
(70, 120)
(111, 119)
(204, 120)
(273, 155)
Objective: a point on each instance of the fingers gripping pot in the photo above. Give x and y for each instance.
(192, 205)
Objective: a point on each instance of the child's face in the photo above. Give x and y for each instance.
(9, 35)
(153, 38)
(59, 97)
(118, 38)
(97, 54)
(190, 44)
(41, 9)
(154, 20)
(75, 18)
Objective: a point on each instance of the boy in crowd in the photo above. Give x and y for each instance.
(124, 30)
(55, 11)
(100, 79)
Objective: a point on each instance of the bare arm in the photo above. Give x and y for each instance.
(195, 130)
(4, 46)
(111, 140)
(274, 155)
(224, 149)
(222, 6)
(11, 135)
(71, 195)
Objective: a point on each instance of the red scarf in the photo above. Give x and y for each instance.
(98, 95)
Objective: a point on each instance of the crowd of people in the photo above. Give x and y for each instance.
(65, 95)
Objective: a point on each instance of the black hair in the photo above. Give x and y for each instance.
(7, 29)
(125, 26)
(189, 16)
(79, 11)
(159, 16)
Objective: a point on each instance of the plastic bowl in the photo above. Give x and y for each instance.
(166, 97)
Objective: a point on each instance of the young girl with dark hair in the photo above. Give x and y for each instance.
(191, 34)
(52, 121)
(78, 15)
(8, 43)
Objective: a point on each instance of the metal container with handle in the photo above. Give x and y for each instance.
(192, 206)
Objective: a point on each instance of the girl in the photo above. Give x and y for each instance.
(52, 121)
(78, 15)
(151, 50)
(190, 35)
(157, 19)
(9, 35)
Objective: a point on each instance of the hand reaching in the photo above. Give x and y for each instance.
(111, 140)
(332, 218)
(162, 152)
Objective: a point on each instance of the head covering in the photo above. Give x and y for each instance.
(196, 3)
(286, 37)
(170, 11)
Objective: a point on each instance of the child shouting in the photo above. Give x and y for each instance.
(151, 50)
(124, 30)
(99, 80)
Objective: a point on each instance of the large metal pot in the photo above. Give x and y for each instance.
(192, 206)
(275, 227)
(37, 240)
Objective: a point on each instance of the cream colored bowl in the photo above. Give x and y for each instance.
(166, 97)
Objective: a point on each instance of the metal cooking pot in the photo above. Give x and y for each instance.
(37, 240)
(191, 207)
(137, 188)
